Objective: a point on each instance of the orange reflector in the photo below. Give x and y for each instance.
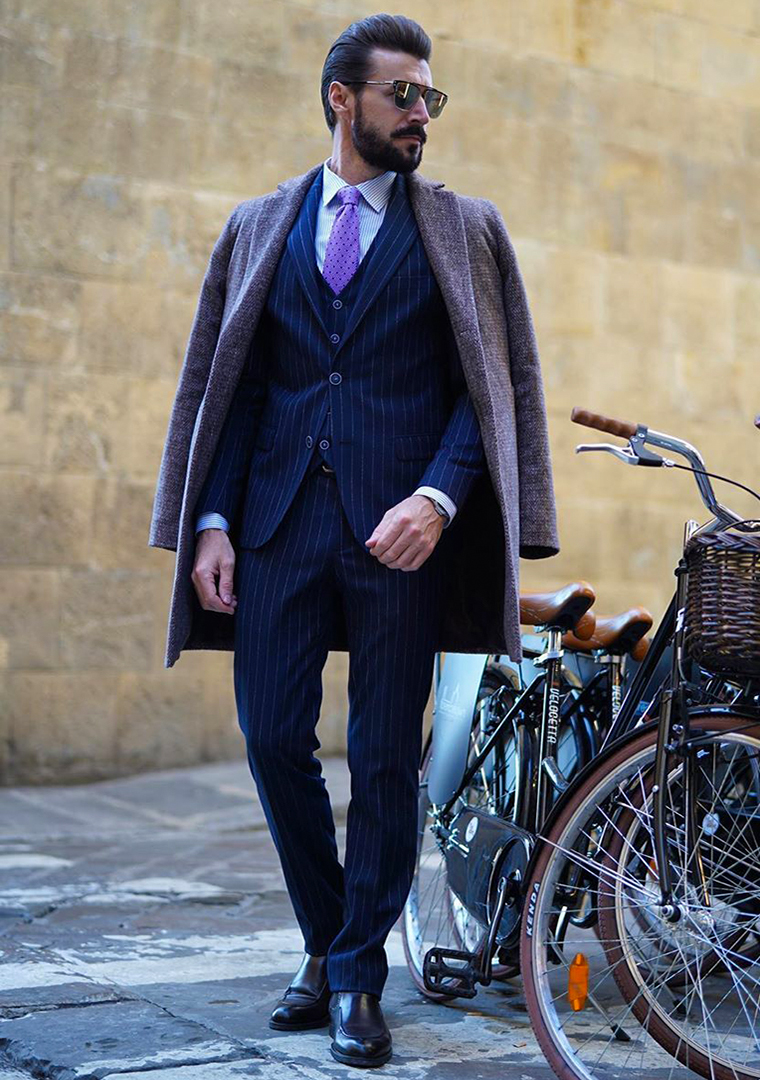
(577, 982)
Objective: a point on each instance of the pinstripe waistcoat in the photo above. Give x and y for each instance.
(509, 512)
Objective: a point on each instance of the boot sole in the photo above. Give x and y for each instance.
(362, 1063)
(303, 1026)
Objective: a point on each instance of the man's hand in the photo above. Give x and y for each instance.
(407, 533)
(214, 560)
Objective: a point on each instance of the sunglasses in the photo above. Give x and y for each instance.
(405, 94)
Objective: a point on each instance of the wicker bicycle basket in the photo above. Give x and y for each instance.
(722, 618)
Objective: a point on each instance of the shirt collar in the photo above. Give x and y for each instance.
(376, 190)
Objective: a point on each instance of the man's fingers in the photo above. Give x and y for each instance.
(411, 559)
(215, 600)
(226, 568)
(405, 541)
(204, 579)
(389, 536)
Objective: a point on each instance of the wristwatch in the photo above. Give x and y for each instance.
(439, 510)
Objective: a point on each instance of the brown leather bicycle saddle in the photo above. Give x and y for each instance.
(566, 608)
(618, 634)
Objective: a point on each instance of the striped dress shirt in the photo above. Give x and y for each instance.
(375, 194)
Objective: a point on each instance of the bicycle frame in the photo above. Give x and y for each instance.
(548, 772)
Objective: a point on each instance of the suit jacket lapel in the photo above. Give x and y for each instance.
(391, 243)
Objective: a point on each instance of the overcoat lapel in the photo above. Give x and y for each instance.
(266, 242)
(443, 236)
(301, 246)
(265, 247)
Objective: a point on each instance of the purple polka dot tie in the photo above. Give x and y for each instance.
(342, 253)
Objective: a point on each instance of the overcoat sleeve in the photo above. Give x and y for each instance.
(167, 503)
(539, 537)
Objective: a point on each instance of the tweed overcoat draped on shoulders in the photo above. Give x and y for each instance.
(510, 512)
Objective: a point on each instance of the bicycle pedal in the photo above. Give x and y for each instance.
(435, 970)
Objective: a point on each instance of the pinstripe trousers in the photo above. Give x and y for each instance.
(289, 590)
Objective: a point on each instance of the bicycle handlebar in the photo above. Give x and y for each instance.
(622, 428)
(635, 454)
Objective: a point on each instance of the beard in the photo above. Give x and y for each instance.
(382, 152)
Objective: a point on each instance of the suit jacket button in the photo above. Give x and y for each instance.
(336, 377)
(324, 444)
(309, 440)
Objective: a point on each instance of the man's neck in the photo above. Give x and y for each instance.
(355, 171)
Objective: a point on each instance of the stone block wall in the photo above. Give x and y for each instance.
(619, 138)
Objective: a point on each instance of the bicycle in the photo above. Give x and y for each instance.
(479, 761)
(640, 934)
(511, 712)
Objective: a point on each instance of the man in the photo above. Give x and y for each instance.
(360, 410)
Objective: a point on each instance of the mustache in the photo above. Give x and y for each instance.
(418, 134)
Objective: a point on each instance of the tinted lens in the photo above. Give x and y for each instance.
(406, 95)
(434, 101)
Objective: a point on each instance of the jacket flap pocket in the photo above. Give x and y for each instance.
(417, 446)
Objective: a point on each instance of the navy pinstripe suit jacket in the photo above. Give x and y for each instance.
(372, 382)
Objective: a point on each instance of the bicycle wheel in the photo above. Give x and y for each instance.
(692, 982)
(433, 914)
(588, 994)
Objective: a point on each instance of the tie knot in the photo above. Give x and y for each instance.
(349, 196)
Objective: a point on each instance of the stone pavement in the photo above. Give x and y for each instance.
(146, 932)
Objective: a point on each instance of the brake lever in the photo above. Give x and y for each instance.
(635, 453)
(625, 454)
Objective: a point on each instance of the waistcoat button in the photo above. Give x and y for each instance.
(335, 338)
(337, 304)
(309, 440)
(324, 444)
(336, 377)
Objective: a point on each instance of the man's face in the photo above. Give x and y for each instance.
(380, 131)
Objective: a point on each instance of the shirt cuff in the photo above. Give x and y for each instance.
(211, 521)
(447, 503)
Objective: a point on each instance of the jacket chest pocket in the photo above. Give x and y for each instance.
(423, 445)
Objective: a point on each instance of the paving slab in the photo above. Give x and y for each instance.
(146, 932)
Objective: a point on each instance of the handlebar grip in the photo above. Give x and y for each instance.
(603, 423)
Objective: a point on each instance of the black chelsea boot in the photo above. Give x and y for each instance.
(305, 1003)
(360, 1035)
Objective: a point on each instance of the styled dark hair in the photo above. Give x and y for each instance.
(349, 55)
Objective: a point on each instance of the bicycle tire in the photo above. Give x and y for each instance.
(562, 1050)
(411, 934)
(613, 934)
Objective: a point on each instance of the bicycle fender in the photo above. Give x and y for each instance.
(455, 701)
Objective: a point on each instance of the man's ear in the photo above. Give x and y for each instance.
(342, 96)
